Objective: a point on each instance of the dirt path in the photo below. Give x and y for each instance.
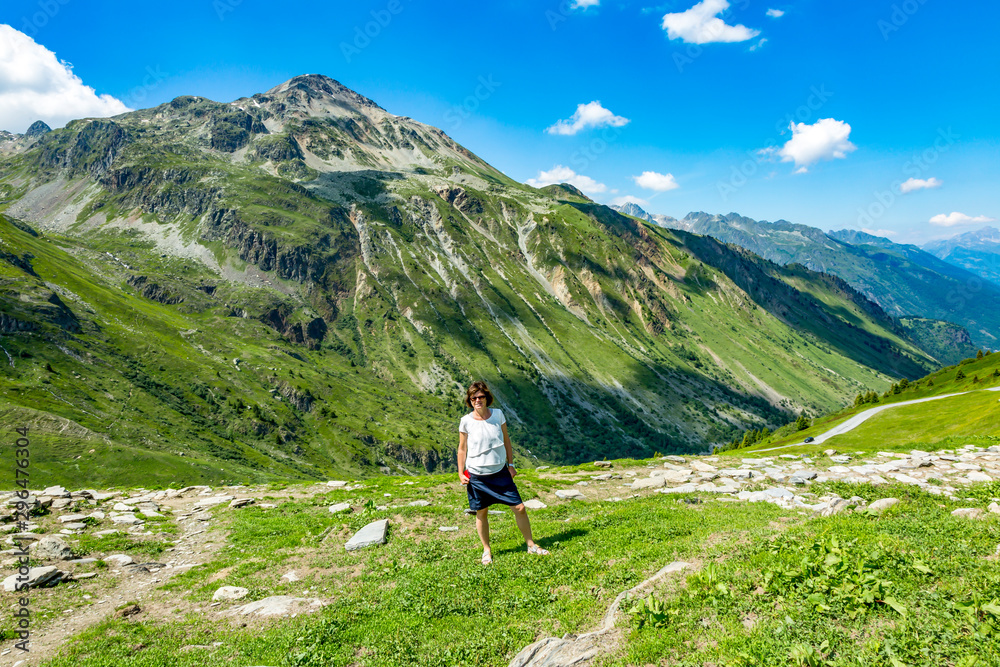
(75, 606)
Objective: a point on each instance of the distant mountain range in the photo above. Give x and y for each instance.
(905, 280)
(977, 252)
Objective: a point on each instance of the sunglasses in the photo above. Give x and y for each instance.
(478, 398)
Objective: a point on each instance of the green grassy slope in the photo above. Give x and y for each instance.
(972, 418)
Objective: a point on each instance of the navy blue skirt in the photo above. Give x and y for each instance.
(486, 490)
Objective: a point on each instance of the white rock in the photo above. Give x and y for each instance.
(279, 605)
(336, 483)
(419, 503)
(230, 593)
(969, 513)
(448, 529)
(571, 494)
(120, 560)
(340, 507)
(645, 483)
(372, 534)
(290, 576)
(702, 467)
(976, 476)
(883, 504)
(37, 577)
(535, 504)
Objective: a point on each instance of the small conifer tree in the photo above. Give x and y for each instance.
(960, 375)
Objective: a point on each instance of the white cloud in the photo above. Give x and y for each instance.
(35, 85)
(826, 139)
(762, 42)
(701, 25)
(651, 180)
(583, 4)
(629, 199)
(775, 13)
(586, 116)
(561, 174)
(955, 218)
(914, 184)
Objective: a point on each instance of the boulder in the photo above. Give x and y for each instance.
(883, 504)
(230, 593)
(120, 560)
(602, 464)
(279, 605)
(241, 502)
(645, 483)
(702, 467)
(340, 507)
(969, 513)
(372, 534)
(976, 476)
(37, 577)
(51, 548)
(572, 494)
(56, 492)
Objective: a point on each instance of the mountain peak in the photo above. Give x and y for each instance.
(311, 91)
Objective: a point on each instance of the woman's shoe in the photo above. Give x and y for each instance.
(537, 550)
(487, 558)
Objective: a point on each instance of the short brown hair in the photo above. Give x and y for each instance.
(478, 385)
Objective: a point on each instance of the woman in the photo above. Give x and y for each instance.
(486, 467)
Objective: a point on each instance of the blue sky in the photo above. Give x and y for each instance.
(882, 93)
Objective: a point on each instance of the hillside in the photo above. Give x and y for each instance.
(300, 284)
(903, 279)
(966, 414)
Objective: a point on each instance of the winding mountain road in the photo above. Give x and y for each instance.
(862, 417)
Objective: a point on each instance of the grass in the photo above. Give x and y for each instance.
(911, 586)
(966, 419)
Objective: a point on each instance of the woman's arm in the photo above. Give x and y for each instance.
(463, 450)
(510, 449)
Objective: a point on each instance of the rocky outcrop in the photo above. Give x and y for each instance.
(296, 263)
(233, 129)
(23, 262)
(9, 325)
(84, 147)
(37, 129)
(429, 459)
(153, 291)
(277, 148)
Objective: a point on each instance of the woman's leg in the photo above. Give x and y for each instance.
(483, 528)
(521, 516)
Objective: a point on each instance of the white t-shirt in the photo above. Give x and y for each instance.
(486, 454)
